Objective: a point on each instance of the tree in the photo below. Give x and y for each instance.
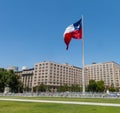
(42, 87)
(75, 88)
(92, 86)
(20, 86)
(26, 89)
(96, 86)
(2, 79)
(60, 88)
(112, 88)
(65, 87)
(100, 87)
(11, 80)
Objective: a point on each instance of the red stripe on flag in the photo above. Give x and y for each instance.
(76, 34)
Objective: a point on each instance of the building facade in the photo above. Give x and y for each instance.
(109, 72)
(54, 75)
(26, 77)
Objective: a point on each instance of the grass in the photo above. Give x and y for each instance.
(99, 100)
(28, 107)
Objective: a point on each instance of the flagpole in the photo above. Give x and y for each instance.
(83, 76)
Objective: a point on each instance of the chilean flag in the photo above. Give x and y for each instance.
(73, 31)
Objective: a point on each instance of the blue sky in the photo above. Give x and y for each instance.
(31, 31)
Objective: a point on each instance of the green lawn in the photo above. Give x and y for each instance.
(28, 107)
(99, 100)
